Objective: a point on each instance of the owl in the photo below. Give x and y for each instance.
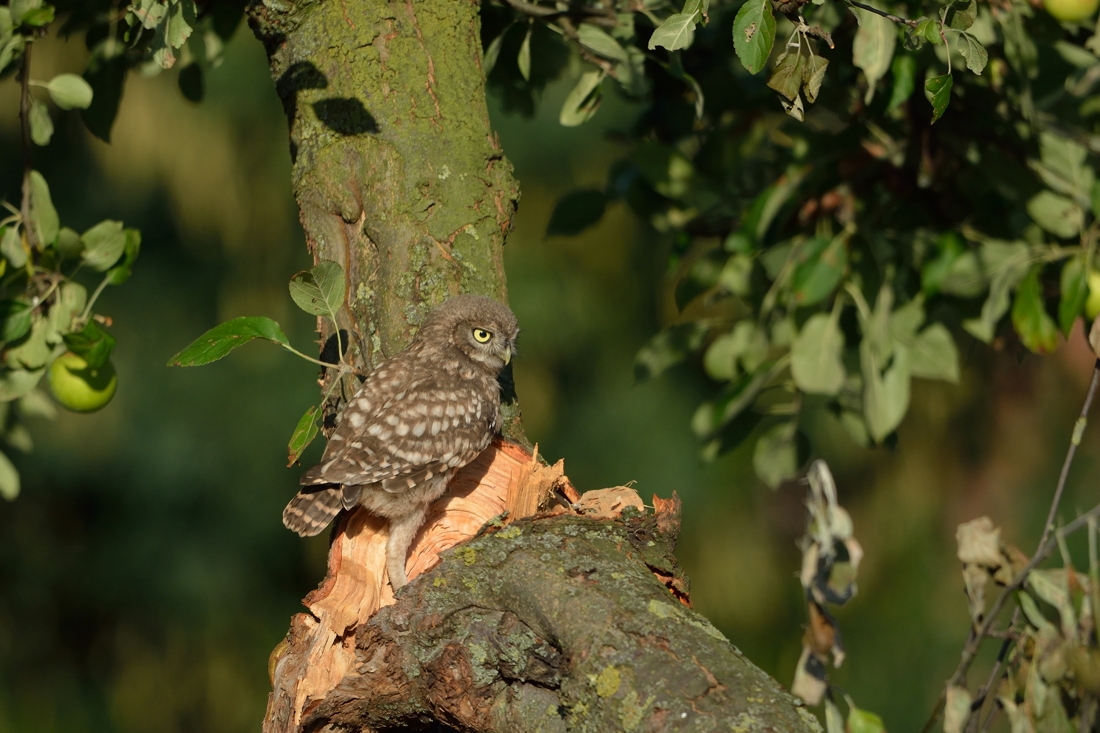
(418, 418)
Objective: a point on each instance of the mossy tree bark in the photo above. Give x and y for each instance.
(553, 623)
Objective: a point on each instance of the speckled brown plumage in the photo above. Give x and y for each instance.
(417, 419)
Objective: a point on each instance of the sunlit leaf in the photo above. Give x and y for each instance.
(775, 457)
(600, 42)
(220, 340)
(40, 122)
(816, 364)
(676, 32)
(11, 246)
(104, 244)
(754, 34)
(956, 710)
(46, 222)
(933, 355)
(523, 59)
(813, 73)
(492, 53)
(973, 52)
(873, 47)
(322, 290)
(120, 273)
(9, 478)
(885, 394)
(69, 91)
(864, 721)
(583, 101)
(1059, 215)
(820, 266)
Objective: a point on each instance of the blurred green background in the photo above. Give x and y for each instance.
(145, 574)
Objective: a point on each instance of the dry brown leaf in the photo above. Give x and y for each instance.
(608, 503)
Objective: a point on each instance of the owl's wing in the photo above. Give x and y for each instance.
(400, 435)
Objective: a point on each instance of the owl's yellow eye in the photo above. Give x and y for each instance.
(482, 336)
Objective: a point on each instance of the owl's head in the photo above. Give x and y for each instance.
(480, 327)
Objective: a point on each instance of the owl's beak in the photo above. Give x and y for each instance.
(507, 356)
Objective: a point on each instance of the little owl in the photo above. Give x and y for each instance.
(418, 418)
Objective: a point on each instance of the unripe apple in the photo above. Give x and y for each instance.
(1092, 305)
(1071, 10)
(78, 387)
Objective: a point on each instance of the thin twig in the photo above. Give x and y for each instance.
(1075, 440)
(994, 676)
(588, 15)
(888, 16)
(1047, 545)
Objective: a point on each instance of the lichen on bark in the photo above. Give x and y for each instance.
(396, 171)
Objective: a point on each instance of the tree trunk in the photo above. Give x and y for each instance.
(575, 618)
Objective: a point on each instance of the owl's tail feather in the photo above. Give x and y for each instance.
(309, 512)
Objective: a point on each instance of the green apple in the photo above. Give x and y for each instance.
(1092, 305)
(78, 387)
(1071, 10)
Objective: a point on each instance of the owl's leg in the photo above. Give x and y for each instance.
(402, 531)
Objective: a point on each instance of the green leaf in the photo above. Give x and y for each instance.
(9, 478)
(91, 343)
(1008, 262)
(668, 348)
(864, 721)
(938, 91)
(786, 77)
(104, 244)
(220, 340)
(575, 212)
(106, 76)
(15, 320)
(36, 404)
(320, 291)
(492, 53)
(819, 266)
(816, 356)
(33, 351)
(69, 245)
(68, 304)
(9, 48)
(961, 15)
(601, 43)
(46, 223)
(873, 47)
(904, 69)
(1057, 214)
(933, 355)
(15, 383)
(775, 457)
(812, 75)
(973, 53)
(675, 33)
(523, 60)
(1075, 291)
(583, 101)
(20, 8)
(41, 124)
(40, 17)
(121, 272)
(304, 433)
(1035, 327)
(885, 395)
(11, 246)
(754, 34)
(70, 91)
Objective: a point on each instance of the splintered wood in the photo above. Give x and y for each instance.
(321, 644)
